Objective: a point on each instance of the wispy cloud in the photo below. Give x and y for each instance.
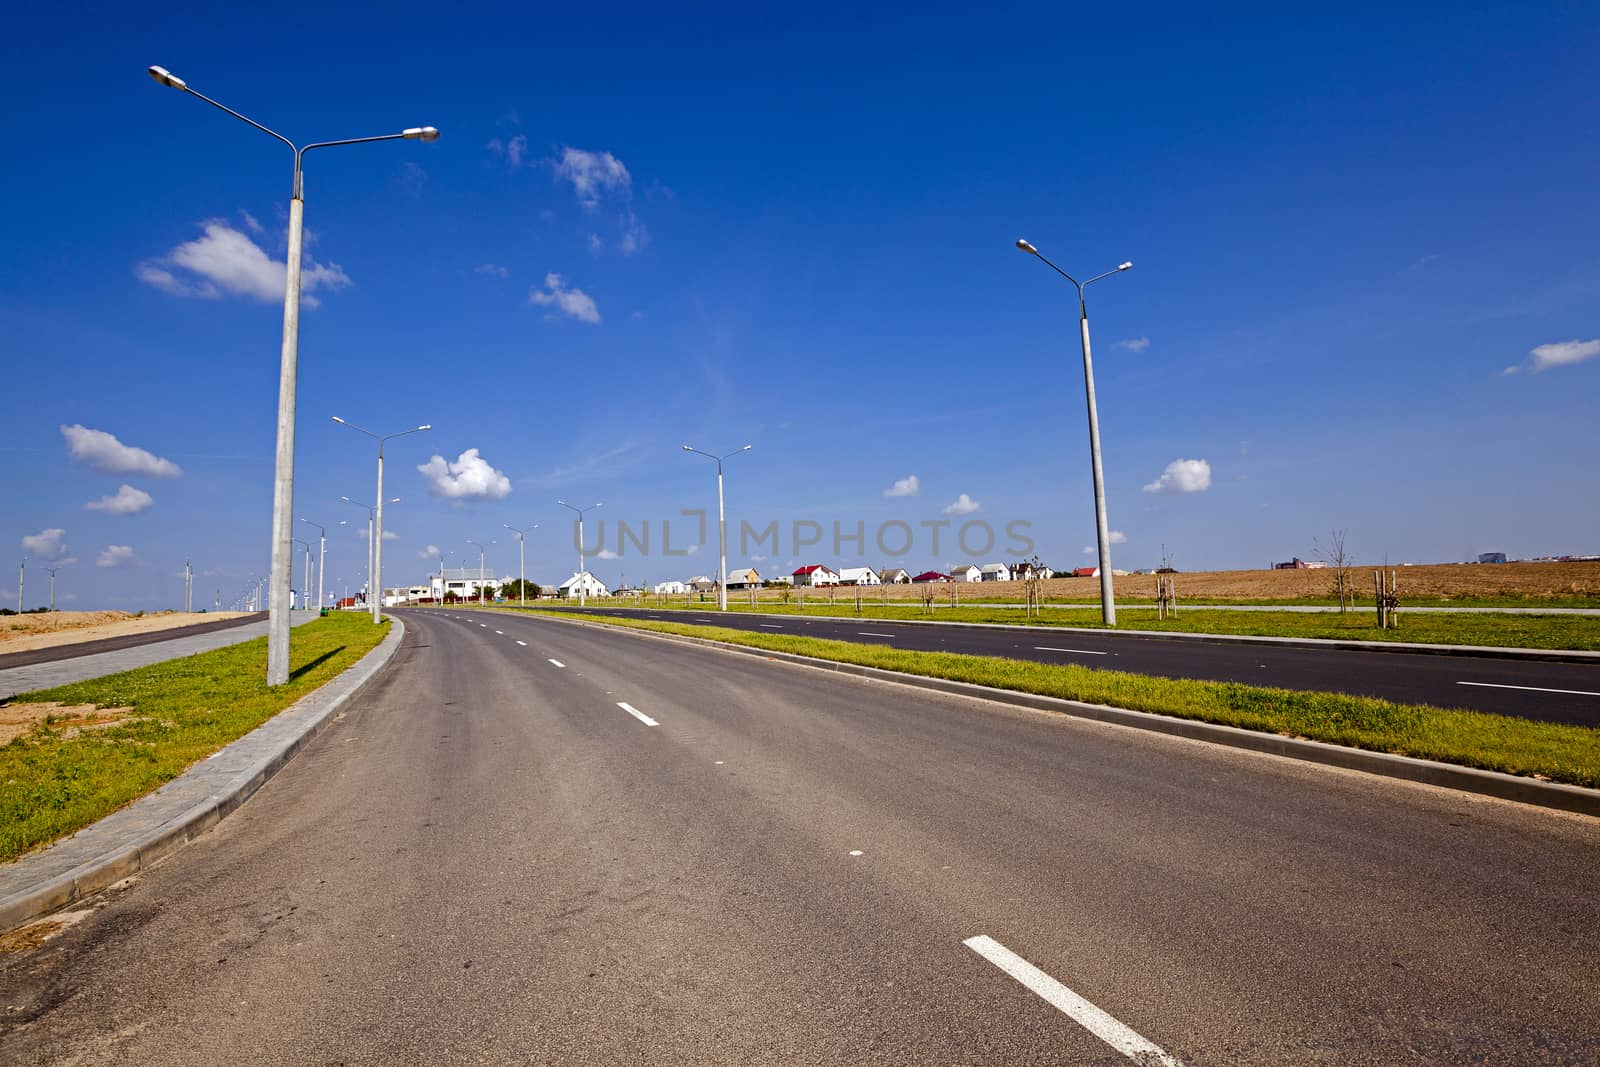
(592, 174)
(470, 477)
(222, 261)
(1557, 354)
(962, 505)
(491, 268)
(431, 552)
(512, 149)
(49, 545)
(101, 451)
(125, 501)
(1133, 344)
(114, 556)
(907, 486)
(1183, 476)
(571, 302)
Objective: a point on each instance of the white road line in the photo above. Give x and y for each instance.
(484, 625)
(502, 633)
(1077, 651)
(863, 633)
(558, 663)
(524, 644)
(770, 626)
(1534, 689)
(1069, 1003)
(636, 713)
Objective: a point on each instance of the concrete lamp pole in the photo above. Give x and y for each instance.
(305, 591)
(22, 572)
(377, 544)
(322, 559)
(480, 545)
(1108, 604)
(522, 569)
(722, 524)
(583, 589)
(52, 571)
(283, 471)
(372, 518)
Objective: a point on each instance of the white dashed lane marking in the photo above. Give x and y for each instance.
(636, 713)
(524, 644)
(558, 663)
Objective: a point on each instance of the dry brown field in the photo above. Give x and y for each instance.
(1532, 581)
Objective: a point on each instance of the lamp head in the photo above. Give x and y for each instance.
(429, 425)
(166, 77)
(686, 448)
(1125, 266)
(1026, 247)
(420, 133)
(338, 420)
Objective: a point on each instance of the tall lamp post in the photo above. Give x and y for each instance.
(283, 471)
(722, 524)
(583, 589)
(481, 545)
(305, 592)
(377, 544)
(22, 572)
(522, 569)
(52, 571)
(322, 558)
(1108, 604)
(372, 518)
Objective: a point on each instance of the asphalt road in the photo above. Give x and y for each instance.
(489, 860)
(117, 644)
(1530, 689)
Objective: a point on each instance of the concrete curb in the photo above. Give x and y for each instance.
(1550, 655)
(136, 836)
(1427, 772)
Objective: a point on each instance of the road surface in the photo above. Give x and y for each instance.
(533, 842)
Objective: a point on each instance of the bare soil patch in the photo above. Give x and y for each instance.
(70, 720)
(23, 633)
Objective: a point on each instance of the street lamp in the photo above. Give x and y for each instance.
(583, 594)
(377, 550)
(372, 512)
(322, 559)
(522, 570)
(283, 469)
(305, 594)
(481, 545)
(52, 572)
(1108, 605)
(722, 524)
(22, 572)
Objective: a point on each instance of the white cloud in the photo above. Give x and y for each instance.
(758, 559)
(1089, 550)
(250, 221)
(362, 533)
(49, 545)
(907, 486)
(126, 501)
(101, 451)
(491, 268)
(596, 245)
(470, 477)
(114, 556)
(1183, 476)
(963, 505)
(512, 150)
(605, 553)
(634, 235)
(693, 549)
(1558, 354)
(1134, 344)
(574, 303)
(1117, 537)
(593, 173)
(225, 262)
(431, 552)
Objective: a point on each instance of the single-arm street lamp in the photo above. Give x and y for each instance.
(1108, 604)
(722, 524)
(522, 570)
(283, 470)
(305, 592)
(322, 559)
(583, 588)
(52, 572)
(372, 514)
(377, 544)
(481, 545)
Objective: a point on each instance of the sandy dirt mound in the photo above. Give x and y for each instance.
(22, 633)
(67, 720)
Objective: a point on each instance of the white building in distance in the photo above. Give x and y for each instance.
(582, 584)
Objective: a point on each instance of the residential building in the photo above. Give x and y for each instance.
(859, 576)
(669, 588)
(464, 583)
(895, 576)
(965, 572)
(582, 584)
(932, 576)
(994, 572)
(744, 578)
(1492, 557)
(702, 584)
(816, 574)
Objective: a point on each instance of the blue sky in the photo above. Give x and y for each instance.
(798, 234)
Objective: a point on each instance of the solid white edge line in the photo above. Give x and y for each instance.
(1080, 1011)
(770, 626)
(558, 663)
(1533, 689)
(863, 633)
(1076, 651)
(636, 713)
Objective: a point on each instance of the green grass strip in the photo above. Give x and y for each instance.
(1503, 743)
(183, 711)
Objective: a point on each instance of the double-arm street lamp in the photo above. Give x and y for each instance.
(583, 586)
(322, 559)
(377, 549)
(1108, 604)
(372, 518)
(722, 524)
(480, 545)
(522, 570)
(283, 471)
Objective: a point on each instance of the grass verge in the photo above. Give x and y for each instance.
(59, 777)
(1561, 632)
(1549, 751)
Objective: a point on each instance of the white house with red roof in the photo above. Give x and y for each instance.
(816, 574)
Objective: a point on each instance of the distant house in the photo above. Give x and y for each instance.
(582, 584)
(965, 572)
(816, 574)
(745, 578)
(780, 579)
(932, 576)
(1086, 572)
(1492, 557)
(895, 576)
(702, 584)
(1296, 564)
(859, 576)
(668, 588)
(995, 572)
(1021, 572)
(624, 591)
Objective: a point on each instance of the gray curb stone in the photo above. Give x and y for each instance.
(1428, 772)
(133, 838)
